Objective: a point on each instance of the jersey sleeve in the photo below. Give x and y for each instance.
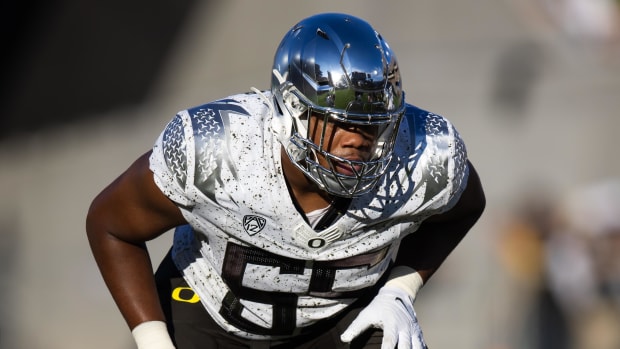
(169, 161)
(453, 163)
(442, 167)
(459, 168)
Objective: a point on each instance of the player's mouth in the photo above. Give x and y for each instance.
(347, 169)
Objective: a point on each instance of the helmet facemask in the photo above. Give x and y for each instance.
(334, 71)
(326, 168)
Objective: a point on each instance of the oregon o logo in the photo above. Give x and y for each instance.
(317, 242)
(185, 294)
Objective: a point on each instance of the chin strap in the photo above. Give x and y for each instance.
(290, 105)
(267, 101)
(281, 125)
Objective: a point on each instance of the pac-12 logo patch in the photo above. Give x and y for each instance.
(253, 224)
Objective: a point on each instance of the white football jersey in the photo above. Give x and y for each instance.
(259, 268)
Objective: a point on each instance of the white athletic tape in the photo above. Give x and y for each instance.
(152, 335)
(405, 278)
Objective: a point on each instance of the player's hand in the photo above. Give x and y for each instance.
(392, 311)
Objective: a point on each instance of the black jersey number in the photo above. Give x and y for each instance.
(284, 304)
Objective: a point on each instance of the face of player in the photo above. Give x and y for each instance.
(351, 142)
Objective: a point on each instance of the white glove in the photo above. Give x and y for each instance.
(152, 335)
(392, 311)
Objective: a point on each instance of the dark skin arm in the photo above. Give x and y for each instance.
(126, 214)
(427, 248)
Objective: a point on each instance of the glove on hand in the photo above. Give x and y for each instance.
(391, 310)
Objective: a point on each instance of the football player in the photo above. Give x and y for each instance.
(305, 216)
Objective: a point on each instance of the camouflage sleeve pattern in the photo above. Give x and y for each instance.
(450, 168)
(442, 160)
(169, 161)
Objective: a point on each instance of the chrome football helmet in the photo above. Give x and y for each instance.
(338, 68)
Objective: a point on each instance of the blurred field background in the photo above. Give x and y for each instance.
(532, 85)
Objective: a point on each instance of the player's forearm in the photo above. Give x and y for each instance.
(127, 271)
(427, 248)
